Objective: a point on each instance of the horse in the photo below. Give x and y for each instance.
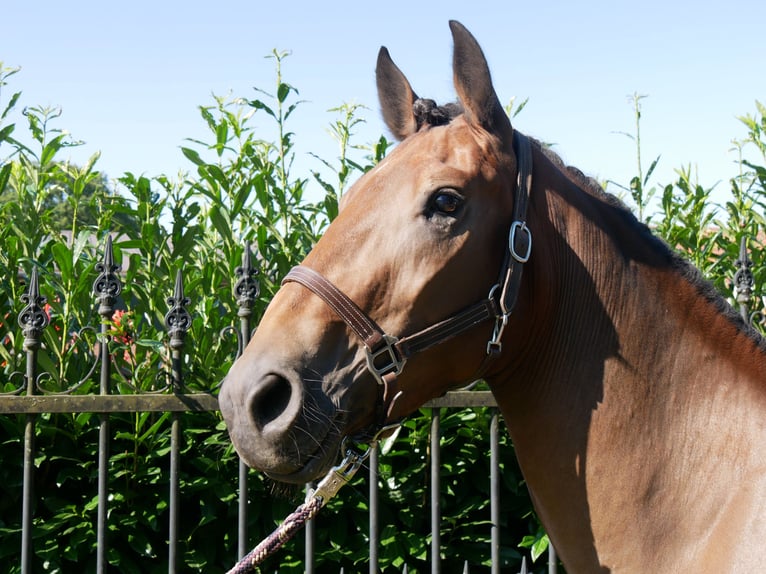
(634, 395)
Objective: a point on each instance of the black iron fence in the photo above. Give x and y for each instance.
(31, 399)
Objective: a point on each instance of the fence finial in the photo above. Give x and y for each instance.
(743, 279)
(247, 288)
(178, 320)
(33, 318)
(107, 285)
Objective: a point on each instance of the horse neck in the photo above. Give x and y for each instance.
(620, 365)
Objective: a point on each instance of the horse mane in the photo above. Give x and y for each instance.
(658, 246)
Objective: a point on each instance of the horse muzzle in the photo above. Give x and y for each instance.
(279, 424)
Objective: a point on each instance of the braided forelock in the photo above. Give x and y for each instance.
(427, 112)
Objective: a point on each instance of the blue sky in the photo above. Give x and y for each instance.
(129, 76)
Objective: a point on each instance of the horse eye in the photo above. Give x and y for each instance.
(447, 203)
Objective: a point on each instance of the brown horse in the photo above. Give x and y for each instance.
(635, 397)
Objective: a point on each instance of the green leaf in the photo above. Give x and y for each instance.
(5, 174)
(51, 149)
(282, 92)
(63, 258)
(259, 105)
(241, 198)
(81, 242)
(6, 131)
(539, 547)
(192, 156)
(222, 136)
(11, 104)
(215, 176)
(651, 170)
(220, 223)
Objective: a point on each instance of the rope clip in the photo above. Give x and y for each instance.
(342, 473)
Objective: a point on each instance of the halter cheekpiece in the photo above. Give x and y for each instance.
(387, 354)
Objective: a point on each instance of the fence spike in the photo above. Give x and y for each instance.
(107, 286)
(247, 288)
(33, 318)
(178, 319)
(743, 279)
(523, 565)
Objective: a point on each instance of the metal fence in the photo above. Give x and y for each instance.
(31, 401)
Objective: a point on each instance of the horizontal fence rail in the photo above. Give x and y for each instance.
(31, 399)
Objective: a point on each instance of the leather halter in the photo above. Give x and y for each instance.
(386, 354)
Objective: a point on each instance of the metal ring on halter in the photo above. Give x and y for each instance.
(517, 226)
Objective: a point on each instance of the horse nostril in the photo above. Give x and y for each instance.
(270, 401)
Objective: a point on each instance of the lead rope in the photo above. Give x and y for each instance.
(327, 488)
(276, 539)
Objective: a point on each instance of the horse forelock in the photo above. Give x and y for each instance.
(428, 113)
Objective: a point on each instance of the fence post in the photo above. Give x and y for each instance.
(177, 322)
(435, 490)
(106, 288)
(32, 320)
(374, 509)
(494, 488)
(552, 559)
(310, 536)
(246, 290)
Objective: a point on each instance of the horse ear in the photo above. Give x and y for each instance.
(473, 84)
(396, 97)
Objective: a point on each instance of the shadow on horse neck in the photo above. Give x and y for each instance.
(627, 370)
(561, 335)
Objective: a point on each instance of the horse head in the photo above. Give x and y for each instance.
(624, 378)
(393, 306)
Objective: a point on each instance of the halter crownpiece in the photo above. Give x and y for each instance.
(387, 354)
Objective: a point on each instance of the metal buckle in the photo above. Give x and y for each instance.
(394, 364)
(517, 226)
(495, 345)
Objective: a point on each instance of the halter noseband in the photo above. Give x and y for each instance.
(386, 354)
